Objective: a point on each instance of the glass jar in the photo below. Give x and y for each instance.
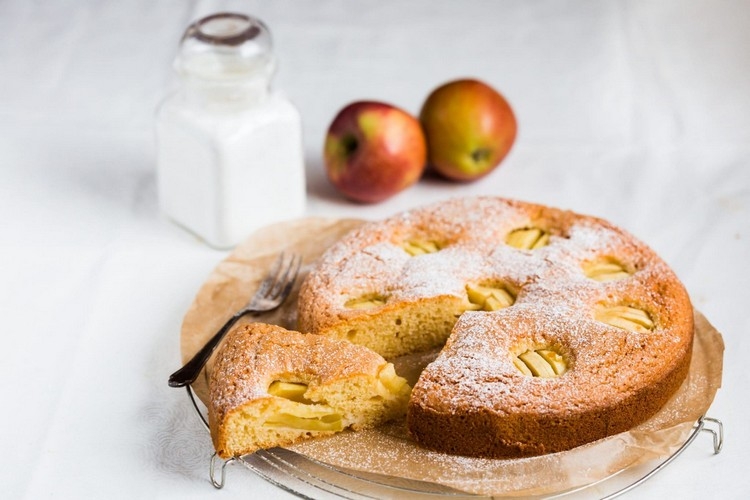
(229, 149)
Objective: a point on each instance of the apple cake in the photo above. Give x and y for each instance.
(273, 387)
(557, 329)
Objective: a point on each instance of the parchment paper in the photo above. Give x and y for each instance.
(389, 449)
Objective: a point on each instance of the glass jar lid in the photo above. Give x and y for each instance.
(226, 46)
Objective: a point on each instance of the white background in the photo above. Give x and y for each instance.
(635, 111)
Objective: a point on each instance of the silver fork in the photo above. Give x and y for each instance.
(274, 289)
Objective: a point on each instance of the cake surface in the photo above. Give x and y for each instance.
(559, 328)
(274, 387)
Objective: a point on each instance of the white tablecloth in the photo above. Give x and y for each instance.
(635, 111)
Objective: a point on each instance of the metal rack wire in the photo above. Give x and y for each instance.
(309, 478)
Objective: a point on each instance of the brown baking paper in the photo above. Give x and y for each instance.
(389, 449)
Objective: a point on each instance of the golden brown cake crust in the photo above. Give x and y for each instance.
(473, 400)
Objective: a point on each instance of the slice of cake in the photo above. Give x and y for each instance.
(274, 387)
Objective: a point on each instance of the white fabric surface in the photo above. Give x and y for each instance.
(635, 111)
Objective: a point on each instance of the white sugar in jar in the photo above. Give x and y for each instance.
(229, 150)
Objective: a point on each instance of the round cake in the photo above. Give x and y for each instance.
(557, 328)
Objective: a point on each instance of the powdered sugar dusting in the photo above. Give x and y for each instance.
(472, 232)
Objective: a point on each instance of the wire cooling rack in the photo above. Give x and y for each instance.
(308, 478)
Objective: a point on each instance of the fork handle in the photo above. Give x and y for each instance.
(188, 373)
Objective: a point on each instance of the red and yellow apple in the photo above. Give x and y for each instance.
(469, 129)
(374, 150)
